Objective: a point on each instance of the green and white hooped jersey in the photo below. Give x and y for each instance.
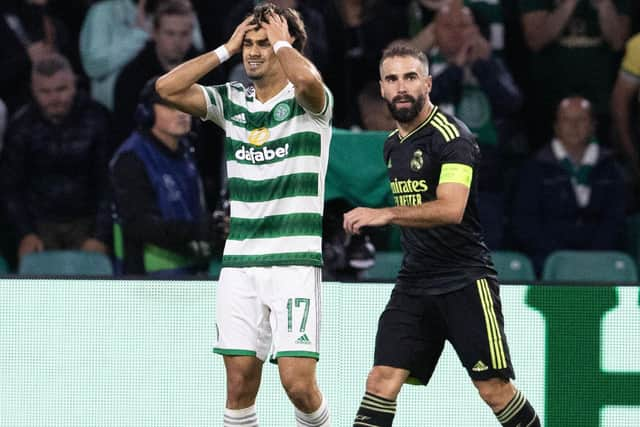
(277, 155)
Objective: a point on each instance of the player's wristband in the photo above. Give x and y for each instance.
(280, 44)
(222, 53)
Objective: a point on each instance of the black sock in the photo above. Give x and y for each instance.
(375, 411)
(518, 413)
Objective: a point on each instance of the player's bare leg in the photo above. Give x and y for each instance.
(243, 381)
(507, 403)
(298, 377)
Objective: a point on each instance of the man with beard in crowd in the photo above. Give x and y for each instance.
(447, 287)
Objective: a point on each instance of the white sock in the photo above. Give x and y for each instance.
(241, 417)
(318, 418)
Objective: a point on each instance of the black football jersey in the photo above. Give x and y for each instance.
(443, 258)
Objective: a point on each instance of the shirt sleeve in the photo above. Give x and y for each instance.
(459, 158)
(326, 114)
(213, 96)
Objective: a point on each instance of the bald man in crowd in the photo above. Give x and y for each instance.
(571, 195)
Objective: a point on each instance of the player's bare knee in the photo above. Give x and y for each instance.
(241, 387)
(495, 392)
(384, 382)
(301, 393)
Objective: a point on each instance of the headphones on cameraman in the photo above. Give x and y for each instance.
(144, 115)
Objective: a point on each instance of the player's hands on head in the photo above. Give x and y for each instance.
(234, 45)
(357, 218)
(277, 29)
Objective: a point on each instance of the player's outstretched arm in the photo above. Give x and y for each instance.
(448, 208)
(299, 70)
(178, 87)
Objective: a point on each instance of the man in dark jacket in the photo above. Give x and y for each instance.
(54, 165)
(572, 194)
(163, 228)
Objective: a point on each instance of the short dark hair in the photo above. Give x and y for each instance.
(51, 64)
(294, 22)
(404, 49)
(171, 7)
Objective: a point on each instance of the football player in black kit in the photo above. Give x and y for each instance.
(447, 287)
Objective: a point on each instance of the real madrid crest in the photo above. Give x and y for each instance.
(258, 136)
(281, 112)
(417, 161)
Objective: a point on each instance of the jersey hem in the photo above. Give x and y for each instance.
(272, 263)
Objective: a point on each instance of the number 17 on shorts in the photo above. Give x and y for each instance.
(269, 309)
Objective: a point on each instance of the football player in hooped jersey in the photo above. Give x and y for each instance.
(277, 143)
(446, 288)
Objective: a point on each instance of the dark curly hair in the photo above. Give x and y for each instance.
(294, 21)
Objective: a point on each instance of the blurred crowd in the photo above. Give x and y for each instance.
(549, 87)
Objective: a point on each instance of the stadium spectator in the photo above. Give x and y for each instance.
(171, 43)
(572, 194)
(53, 170)
(488, 15)
(159, 196)
(27, 33)
(574, 46)
(112, 34)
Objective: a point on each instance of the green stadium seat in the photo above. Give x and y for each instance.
(607, 266)
(4, 266)
(513, 265)
(73, 263)
(386, 267)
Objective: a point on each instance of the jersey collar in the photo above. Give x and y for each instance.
(420, 126)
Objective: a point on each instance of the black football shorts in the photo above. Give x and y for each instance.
(413, 328)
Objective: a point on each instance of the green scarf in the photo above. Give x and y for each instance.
(579, 172)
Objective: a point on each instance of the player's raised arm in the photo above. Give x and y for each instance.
(299, 70)
(178, 87)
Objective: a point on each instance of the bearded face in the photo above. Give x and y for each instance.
(405, 108)
(405, 86)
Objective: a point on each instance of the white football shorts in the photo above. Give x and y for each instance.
(268, 310)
